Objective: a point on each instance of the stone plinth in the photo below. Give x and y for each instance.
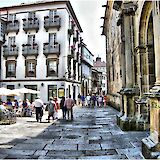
(142, 114)
(151, 144)
(128, 120)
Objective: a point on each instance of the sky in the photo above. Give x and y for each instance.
(89, 13)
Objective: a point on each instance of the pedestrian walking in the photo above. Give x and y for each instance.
(69, 103)
(83, 100)
(100, 101)
(24, 108)
(93, 100)
(63, 107)
(88, 100)
(38, 104)
(52, 107)
(79, 99)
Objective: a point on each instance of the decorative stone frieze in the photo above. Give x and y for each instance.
(129, 8)
(117, 5)
(130, 91)
(151, 144)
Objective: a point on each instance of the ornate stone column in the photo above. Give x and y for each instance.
(123, 68)
(141, 112)
(127, 121)
(151, 144)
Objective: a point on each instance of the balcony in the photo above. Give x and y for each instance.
(2, 31)
(10, 51)
(12, 26)
(30, 50)
(30, 24)
(51, 48)
(50, 23)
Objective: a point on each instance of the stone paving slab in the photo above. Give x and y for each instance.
(93, 134)
(62, 147)
(36, 140)
(30, 146)
(86, 147)
(65, 154)
(131, 153)
(104, 157)
(100, 153)
(17, 152)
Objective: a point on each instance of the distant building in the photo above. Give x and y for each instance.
(96, 81)
(87, 64)
(42, 49)
(100, 66)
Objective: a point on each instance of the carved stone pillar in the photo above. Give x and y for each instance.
(151, 144)
(123, 69)
(127, 121)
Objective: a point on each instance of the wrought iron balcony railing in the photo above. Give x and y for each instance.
(50, 48)
(30, 24)
(30, 49)
(12, 26)
(52, 23)
(10, 50)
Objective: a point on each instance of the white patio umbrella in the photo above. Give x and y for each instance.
(26, 90)
(8, 92)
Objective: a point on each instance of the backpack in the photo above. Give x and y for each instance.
(51, 107)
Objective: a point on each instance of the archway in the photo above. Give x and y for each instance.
(146, 41)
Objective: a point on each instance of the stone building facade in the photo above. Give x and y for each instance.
(87, 64)
(132, 50)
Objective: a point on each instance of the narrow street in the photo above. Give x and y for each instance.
(93, 134)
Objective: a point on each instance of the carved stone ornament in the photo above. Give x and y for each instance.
(129, 8)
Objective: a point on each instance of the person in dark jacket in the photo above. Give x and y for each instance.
(63, 107)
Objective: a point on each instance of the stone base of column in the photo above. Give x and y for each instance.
(131, 124)
(142, 125)
(118, 116)
(124, 123)
(150, 150)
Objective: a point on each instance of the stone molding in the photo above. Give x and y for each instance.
(130, 91)
(129, 8)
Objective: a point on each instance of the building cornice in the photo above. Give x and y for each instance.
(39, 80)
(41, 3)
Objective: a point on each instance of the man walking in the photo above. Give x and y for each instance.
(52, 107)
(38, 104)
(69, 103)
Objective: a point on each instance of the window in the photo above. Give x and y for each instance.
(31, 39)
(11, 17)
(52, 91)
(11, 42)
(52, 38)
(69, 66)
(51, 14)
(11, 68)
(52, 67)
(31, 97)
(31, 15)
(30, 68)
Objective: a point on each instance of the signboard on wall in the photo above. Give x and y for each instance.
(61, 92)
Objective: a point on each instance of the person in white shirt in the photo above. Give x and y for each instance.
(38, 104)
(88, 100)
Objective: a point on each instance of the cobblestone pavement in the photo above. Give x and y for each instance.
(93, 134)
